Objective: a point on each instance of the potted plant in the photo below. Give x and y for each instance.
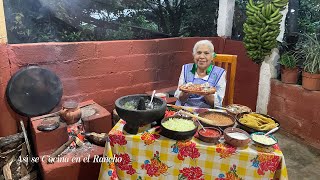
(289, 69)
(309, 48)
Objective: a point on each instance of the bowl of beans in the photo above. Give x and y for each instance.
(217, 119)
(236, 137)
(209, 134)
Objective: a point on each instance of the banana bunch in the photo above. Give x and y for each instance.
(262, 27)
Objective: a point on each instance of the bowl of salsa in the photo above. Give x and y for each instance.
(209, 134)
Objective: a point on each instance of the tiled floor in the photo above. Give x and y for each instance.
(302, 161)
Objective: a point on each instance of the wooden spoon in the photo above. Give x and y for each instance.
(207, 121)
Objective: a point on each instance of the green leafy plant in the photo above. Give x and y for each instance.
(309, 50)
(288, 60)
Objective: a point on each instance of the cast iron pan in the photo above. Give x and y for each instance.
(34, 91)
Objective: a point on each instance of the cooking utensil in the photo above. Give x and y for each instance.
(271, 131)
(195, 116)
(135, 118)
(194, 109)
(227, 109)
(57, 113)
(220, 107)
(34, 91)
(150, 105)
(201, 125)
(70, 112)
(49, 124)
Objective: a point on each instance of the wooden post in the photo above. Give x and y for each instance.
(225, 18)
(3, 30)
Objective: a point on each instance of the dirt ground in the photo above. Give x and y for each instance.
(302, 160)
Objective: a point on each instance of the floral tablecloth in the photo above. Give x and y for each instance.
(149, 155)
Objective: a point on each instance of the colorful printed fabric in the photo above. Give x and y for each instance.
(148, 155)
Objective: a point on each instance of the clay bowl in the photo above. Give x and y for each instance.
(178, 135)
(262, 144)
(237, 142)
(135, 118)
(214, 117)
(209, 138)
(252, 130)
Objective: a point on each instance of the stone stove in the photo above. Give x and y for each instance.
(95, 118)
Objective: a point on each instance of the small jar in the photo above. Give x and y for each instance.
(70, 112)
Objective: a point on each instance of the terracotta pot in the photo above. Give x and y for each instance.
(70, 112)
(311, 81)
(289, 76)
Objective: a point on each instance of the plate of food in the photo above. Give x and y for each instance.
(218, 119)
(235, 109)
(178, 127)
(201, 89)
(256, 122)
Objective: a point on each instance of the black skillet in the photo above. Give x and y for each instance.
(34, 91)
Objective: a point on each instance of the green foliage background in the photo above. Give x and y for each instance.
(72, 20)
(90, 20)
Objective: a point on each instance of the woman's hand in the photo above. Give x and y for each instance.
(209, 99)
(184, 96)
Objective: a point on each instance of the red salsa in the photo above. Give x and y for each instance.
(209, 133)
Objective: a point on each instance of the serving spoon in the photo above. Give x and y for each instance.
(271, 131)
(196, 117)
(150, 105)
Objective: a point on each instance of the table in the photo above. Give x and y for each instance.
(149, 155)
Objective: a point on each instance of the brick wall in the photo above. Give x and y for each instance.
(297, 110)
(106, 70)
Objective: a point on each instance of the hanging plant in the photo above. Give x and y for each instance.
(262, 27)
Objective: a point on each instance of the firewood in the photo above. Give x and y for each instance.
(60, 150)
(96, 138)
(4, 141)
(30, 176)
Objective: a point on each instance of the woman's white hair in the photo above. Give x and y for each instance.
(203, 42)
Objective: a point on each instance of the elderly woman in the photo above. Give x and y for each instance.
(199, 72)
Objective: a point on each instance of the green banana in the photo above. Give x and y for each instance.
(276, 1)
(280, 5)
(253, 6)
(268, 13)
(260, 4)
(275, 13)
(264, 11)
(258, 19)
(262, 27)
(250, 9)
(277, 17)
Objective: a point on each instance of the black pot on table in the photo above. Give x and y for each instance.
(137, 117)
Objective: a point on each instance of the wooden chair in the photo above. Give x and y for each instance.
(229, 63)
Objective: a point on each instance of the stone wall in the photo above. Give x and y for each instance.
(104, 71)
(297, 109)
